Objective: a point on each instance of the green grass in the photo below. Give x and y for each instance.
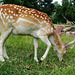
(20, 49)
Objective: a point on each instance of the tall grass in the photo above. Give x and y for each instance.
(20, 49)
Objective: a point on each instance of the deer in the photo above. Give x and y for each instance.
(20, 20)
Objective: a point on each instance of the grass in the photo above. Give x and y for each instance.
(21, 52)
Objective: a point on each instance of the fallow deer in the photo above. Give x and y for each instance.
(18, 20)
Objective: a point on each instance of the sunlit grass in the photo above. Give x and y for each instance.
(19, 48)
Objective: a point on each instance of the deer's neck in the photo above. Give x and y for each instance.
(56, 41)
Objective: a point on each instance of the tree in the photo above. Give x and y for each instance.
(67, 9)
(57, 14)
(46, 6)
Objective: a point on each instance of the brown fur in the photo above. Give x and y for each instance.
(10, 7)
(58, 41)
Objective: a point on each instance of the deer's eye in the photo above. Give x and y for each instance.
(65, 52)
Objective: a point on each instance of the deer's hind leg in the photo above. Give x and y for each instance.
(4, 35)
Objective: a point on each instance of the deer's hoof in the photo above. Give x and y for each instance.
(40, 60)
(2, 59)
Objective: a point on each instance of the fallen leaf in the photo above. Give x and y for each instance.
(28, 67)
(29, 54)
(51, 66)
(65, 64)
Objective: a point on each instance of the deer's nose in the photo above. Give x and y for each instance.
(62, 60)
(62, 30)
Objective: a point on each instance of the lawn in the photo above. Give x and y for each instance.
(20, 50)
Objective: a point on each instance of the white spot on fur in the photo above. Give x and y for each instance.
(19, 12)
(20, 15)
(7, 17)
(9, 11)
(25, 15)
(18, 6)
(51, 29)
(47, 23)
(44, 21)
(5, 9)
(45, 18)
(35, 18)
(5, 13)
(37, 15)
(1, 9)
(22, 10)
(26, 10)
(31, 14)
(16, 15)
(42, 18)
(19, 9)
(11, 16)
(14, 6)
(9, 20)
(10, 5)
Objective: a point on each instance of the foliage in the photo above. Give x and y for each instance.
(21, 53)
(57, 14)
(67, 9)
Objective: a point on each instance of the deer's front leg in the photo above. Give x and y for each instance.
(35, 47)
(4, 52)
(46, 41)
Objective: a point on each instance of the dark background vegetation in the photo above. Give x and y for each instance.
(54, 10)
